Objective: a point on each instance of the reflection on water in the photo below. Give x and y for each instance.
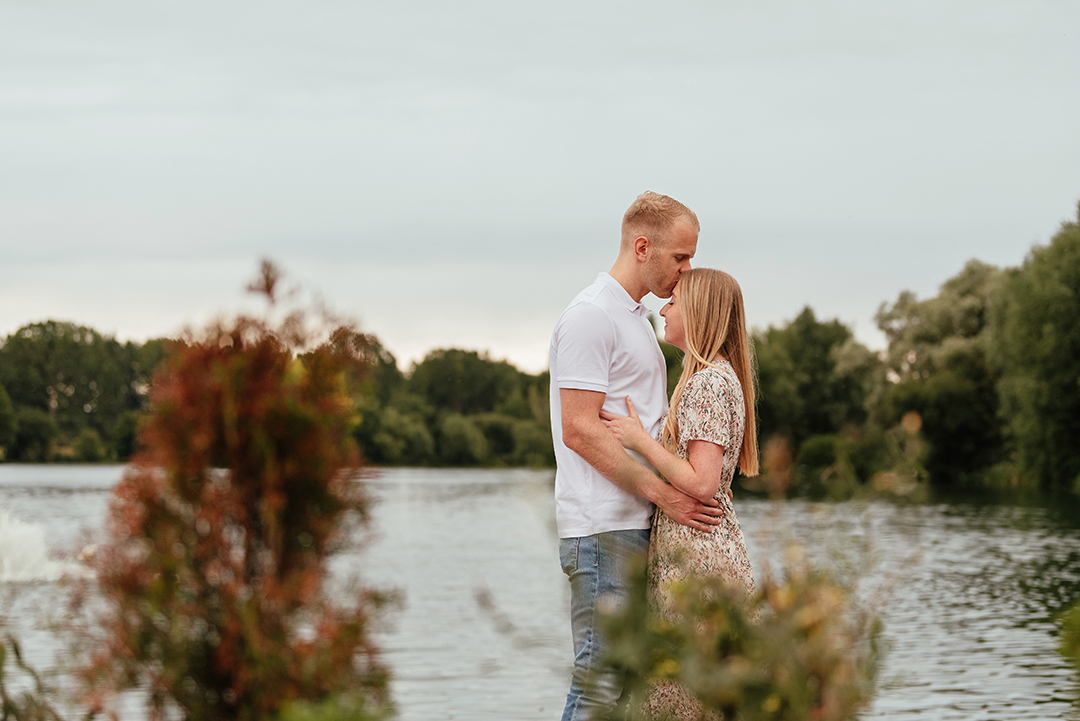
(972, 632)
(969, 625)
(484, 632)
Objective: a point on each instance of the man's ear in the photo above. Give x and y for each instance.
(641, 248)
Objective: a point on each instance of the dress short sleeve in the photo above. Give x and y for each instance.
(703, 410)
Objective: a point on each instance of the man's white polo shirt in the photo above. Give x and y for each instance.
(603, 342)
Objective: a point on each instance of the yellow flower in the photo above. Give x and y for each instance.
(667, 668)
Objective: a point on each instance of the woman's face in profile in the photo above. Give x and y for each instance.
(673, 322)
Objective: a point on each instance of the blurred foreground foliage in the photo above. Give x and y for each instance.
(804, 646)
(1069, 644)
(211, 587)
(30, 704)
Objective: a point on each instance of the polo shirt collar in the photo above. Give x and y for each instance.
(621, 295)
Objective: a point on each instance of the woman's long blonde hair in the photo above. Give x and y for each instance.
(714, 324)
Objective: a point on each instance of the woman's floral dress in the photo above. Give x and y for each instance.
(711, 409)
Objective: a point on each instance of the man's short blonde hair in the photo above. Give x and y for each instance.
(652, 215)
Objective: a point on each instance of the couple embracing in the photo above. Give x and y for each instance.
(636, 474)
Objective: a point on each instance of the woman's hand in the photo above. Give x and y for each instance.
(626, 429)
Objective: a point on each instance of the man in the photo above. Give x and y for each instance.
(602, 350)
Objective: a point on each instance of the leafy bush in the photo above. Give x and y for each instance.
(532, 444)
(403, 438)
(461, 442)
(88, 446)
(35, 432)
(498, 430)
(344, 707)
(212, 581)
(818, 451)
(904, 475)
(1069, 645)
(803, 647)
(825, 466)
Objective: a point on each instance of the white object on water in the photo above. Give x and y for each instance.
(23, 553)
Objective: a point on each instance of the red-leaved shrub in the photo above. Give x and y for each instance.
(212, 583)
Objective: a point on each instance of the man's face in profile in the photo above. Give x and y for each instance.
(671, 258)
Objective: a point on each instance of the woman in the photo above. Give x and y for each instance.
(708, 430)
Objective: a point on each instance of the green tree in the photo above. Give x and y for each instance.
(88, 446)
(456, 408)
(467, 382)
(814, 378)
(7, 422)
(1036, 351)
(498, 430)
(394, 426)
(937, 364)
(142, 361)
(461, 442)
(402, 438)
(66, 370)
(35, 433)
(81, 378)
(673, 357)
(384, 380)
(539, 387)
(532, 444)
(125, 434)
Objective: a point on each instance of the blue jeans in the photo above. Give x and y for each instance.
(596, 567)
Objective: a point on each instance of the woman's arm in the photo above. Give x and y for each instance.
(584, 434)
(698, 476)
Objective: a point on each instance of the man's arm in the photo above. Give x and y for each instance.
(585, 434)
(697, 475)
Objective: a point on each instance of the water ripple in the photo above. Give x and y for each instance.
(483, 632)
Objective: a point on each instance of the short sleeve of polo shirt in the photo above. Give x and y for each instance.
(585, 344)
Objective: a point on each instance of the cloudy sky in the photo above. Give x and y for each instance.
(451, 174)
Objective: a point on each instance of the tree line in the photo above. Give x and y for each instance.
(454, 408)
(978, 385)
(70, 393)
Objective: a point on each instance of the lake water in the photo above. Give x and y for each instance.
(483, 633)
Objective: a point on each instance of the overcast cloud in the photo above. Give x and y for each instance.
(453, 173)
